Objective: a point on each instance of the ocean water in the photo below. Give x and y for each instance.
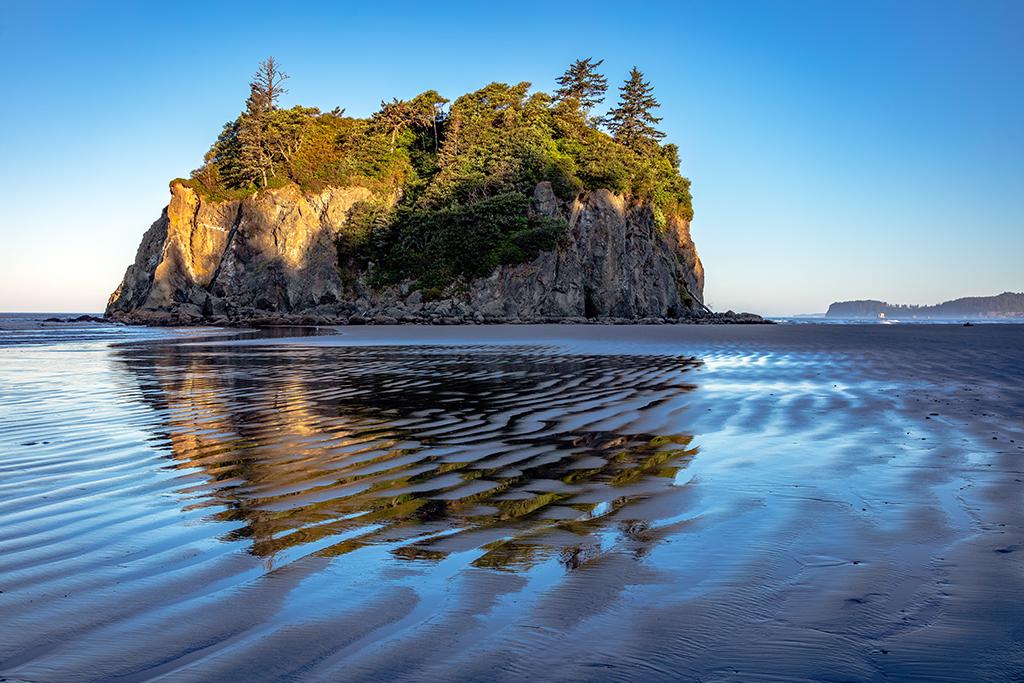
(800, 502)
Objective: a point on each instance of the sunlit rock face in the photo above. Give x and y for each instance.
(273, 255)
(273, 251)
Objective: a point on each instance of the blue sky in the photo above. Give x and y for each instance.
(837, 150)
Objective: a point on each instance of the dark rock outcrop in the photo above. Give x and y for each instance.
(613, 263)
(271, 257)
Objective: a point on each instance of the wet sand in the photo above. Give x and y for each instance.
(807, 502)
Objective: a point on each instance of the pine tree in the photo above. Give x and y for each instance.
(582, 82)
(393, 117)
(256, 156)
(265, 87)
(420, 113)
(428, 111)
(254, 161)
(632, 122)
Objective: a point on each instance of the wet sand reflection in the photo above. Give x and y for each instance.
(525, 453)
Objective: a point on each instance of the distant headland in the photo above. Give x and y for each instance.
(505, 205)
(1005, 305)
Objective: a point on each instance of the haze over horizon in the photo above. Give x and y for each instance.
(837, 152)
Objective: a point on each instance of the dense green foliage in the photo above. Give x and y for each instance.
(454, 181)
(438, 246)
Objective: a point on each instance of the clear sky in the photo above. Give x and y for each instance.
(837, 150)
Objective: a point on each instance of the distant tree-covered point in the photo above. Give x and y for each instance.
(1005, 305)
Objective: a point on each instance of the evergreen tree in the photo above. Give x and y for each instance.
(428, 111)
(420, 113)
(255, 139)
(582, 82)
(632, 122)
(265, 87)
(254, 160)
(393, 117)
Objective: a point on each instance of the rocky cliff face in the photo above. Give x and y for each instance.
(272, 257)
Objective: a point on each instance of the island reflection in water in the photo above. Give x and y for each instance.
(520, 453)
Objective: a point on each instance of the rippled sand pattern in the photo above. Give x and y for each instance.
(515, 503)
(328, 450)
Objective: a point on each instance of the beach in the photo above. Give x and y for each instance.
(556, 502)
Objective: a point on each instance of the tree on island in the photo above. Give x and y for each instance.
(420, 113)
(583, 83)
(265, 87)
(258, 140)
(393, 117)
(632, 122)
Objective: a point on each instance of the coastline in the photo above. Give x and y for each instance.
(275, 320)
